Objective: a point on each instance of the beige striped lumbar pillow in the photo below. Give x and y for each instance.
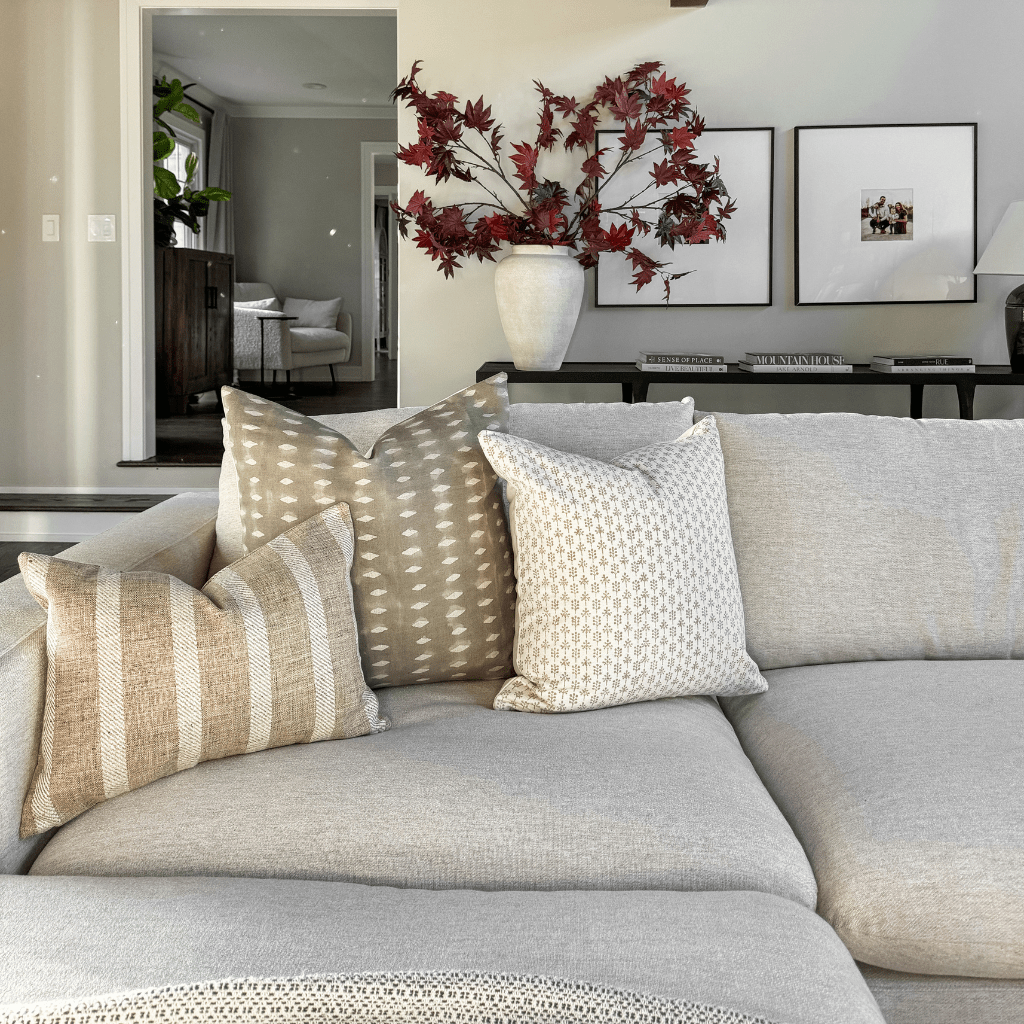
(147, 676)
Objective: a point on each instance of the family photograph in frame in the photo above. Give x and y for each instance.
(885, 213)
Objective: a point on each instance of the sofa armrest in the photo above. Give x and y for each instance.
(175, 537)
(345, 323)
(277, 341)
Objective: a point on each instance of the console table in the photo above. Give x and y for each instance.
(636, 382)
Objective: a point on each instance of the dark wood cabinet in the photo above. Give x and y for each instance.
(194, 325)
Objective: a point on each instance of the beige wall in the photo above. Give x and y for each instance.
(296, 180)
(749, 63)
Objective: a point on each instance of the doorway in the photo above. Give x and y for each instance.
(294, 122)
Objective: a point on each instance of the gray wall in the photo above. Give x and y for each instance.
(294, 181)
(774, 63)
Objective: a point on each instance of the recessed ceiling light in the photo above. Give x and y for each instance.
(313, 85)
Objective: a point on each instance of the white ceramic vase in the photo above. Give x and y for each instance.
(539, 289)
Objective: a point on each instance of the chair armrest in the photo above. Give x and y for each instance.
(345, 324)
(175, 537)
(277, 340)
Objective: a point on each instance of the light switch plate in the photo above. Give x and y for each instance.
(102, 227)
(51, 227)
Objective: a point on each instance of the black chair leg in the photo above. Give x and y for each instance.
(288, 376)
(330, 366)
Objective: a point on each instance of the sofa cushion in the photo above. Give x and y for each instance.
(625, 577)
(317, 339)
(872, 537)
(147, 676)
(753, 953)
(933, 999)
(903, 782)
(433, 584)
(600, 430)
(644, 796)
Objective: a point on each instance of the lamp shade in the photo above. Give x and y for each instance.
(1004, 253)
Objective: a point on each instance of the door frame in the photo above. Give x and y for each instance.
(138, 328)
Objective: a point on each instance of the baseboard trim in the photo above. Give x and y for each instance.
(57, 526)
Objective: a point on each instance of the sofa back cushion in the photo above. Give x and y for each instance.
(866, 537)
(600, 430)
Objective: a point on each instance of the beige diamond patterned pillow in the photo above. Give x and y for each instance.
(147, 676)
(433, 581)
(627, 582)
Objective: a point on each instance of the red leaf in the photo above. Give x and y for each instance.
(584, 126)
(497, 226)
(666, 173)
(633, 136)
(637, 223)
(592, 168)
(548, 221)
(525, 159)
(643, 276)
(616, 238)
(547, 133)
(416, 202)
(448, 131)
(682, 138)
(477, 117)
(641, 71)
(452, 221)
(626, 105)
(418, 155)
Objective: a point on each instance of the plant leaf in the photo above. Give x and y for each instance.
(165, 183)
(163, 146)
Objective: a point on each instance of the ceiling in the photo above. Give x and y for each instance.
(263, 60)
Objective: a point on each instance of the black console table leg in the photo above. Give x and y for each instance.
(916, 401)
(627, 392)
(965, 394)
(640, 391)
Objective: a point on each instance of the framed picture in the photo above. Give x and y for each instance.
(736, 272)
(886, 213)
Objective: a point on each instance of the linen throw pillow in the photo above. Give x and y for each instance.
(627, 582)
(313, 313)
(272, 305)
(434, 590)
(147, 676)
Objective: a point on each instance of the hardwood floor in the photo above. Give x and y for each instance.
(195, 439)
(9, 551)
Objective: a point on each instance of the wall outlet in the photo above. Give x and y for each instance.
(102, 227)
(51, 227)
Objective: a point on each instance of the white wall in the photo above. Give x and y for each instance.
(296, 180)
(749, 63)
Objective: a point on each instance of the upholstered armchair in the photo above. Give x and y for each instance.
(284, 346)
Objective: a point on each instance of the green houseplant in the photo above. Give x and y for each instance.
(174, 201)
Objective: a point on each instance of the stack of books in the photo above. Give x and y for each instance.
(681, 362)
(923, 364)
(794, 362)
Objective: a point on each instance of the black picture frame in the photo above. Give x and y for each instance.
(806, 171)
(649, 297)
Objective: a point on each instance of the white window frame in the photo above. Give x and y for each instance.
(138, 328)
(195, 136)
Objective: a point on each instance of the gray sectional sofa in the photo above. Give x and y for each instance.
(846, 847)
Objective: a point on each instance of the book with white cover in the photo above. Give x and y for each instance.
(789, 368)
(682, 367)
